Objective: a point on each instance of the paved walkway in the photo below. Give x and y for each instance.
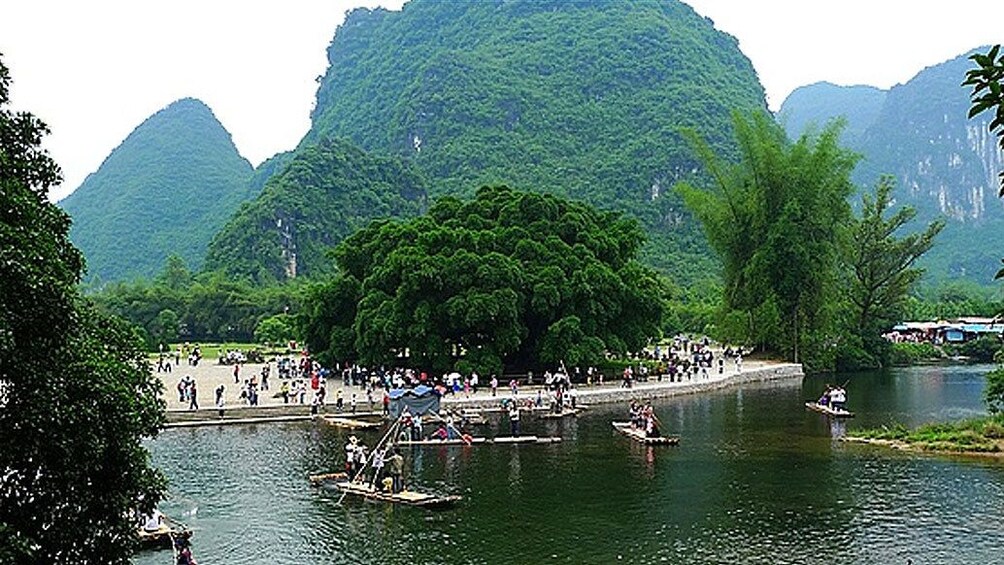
(208, 376)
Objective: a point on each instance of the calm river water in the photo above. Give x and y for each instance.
(756, 479)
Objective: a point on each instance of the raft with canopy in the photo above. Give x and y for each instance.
(419, 400)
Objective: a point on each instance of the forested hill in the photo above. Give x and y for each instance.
(167, 189)
(323, 193)
(944, 164)
(583, 99)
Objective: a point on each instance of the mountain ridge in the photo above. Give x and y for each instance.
(163, 191)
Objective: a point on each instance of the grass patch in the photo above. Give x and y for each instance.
(211, 351)
(977, 435)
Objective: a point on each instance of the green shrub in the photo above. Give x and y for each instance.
(913, 353)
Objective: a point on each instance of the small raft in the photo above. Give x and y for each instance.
(526, 439)
(639, 436)
(350, 423)
(558, 415)
(455, 441)
(406, 497)
(829, 410)
(161, 538)
(327, 478)
(481, 440)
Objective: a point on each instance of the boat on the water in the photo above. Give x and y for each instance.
(480, 440)
(406, 497)
(448, 441)
(162, 537)
(327, 478)
(639, 435)
(829, 410)
(559, 415)
(350, 423)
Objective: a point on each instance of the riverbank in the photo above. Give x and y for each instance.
(981, 436)
(272, 407)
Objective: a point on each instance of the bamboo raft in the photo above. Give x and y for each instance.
(327, 478)
(829, 410)
(455, 441)
(406, 497)
(161, 538)
(526, 439)
(481, 440)
(559, 415)
(639, 436)
(350, 423)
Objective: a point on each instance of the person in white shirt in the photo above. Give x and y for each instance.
(153, 521)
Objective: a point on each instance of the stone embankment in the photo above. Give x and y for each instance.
(272, 408)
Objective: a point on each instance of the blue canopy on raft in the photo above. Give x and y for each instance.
(419, 400)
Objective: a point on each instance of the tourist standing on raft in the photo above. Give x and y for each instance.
(514, 418)
(395, 466)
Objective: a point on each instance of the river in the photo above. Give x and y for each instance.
(756, 479)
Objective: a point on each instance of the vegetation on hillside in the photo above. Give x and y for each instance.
(166, 190)
(506, 279)
(325, 192)
(76, 394)
(944, 164)
(579, 99)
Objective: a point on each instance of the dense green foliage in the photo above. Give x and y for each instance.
(509, 278)
(166, 190)
(881, 270)
(907, 354)
(953, 300)
(944, 164)
(324, 193)
(76, 395)
(580, 99)
(775, 219)
(279, 329)
(209, 307)
(987, 80)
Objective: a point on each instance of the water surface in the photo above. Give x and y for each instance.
(756, 479)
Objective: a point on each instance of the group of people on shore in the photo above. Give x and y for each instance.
(188, 392)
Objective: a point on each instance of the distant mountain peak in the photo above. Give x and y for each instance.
(944, 163)
(164, 190)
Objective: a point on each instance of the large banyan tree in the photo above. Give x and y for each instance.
(510, 278)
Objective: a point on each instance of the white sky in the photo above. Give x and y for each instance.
(94, 70)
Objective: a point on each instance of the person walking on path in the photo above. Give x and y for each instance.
(193, 403)
(219, 400)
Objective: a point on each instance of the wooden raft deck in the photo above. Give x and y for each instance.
(828, 410)
(350, 423)
(406, 497)
(481, 440)
(558, 415)
(639, 436)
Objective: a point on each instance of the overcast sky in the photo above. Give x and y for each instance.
(94, 70)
